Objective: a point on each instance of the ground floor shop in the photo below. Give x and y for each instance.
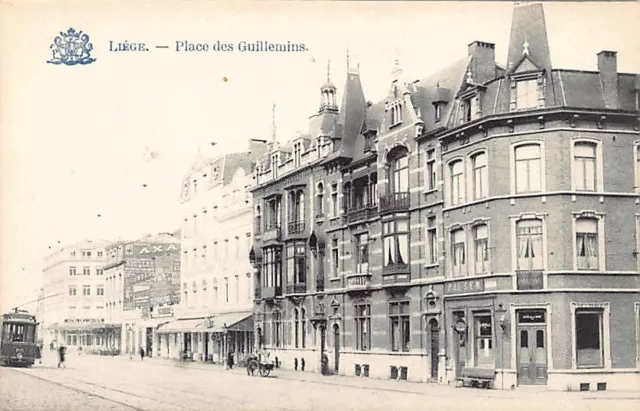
(455, 333)
(89, 337)
(209, 338)
(562, 340)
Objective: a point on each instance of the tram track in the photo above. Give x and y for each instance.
(189, 400)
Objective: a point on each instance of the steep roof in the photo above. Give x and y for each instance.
(528, 34)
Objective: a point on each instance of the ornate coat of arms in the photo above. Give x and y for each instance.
(71, 48)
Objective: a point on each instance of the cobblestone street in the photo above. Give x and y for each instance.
(120, 383)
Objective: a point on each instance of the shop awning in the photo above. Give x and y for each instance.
(179, 326)
(240, 321)
(90, 326)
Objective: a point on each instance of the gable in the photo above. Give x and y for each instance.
(526, 64)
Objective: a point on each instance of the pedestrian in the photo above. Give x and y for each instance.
(39, 353)
(230, 360)
(51, 346)
(141, 353)
(62, 351)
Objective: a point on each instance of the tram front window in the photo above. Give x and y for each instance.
(15, 332)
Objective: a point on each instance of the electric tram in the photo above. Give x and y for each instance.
(18, 339)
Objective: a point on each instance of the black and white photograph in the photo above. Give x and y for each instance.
(319, 205)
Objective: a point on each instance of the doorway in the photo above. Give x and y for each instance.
(336, 347)
(434, 334)
(531, 340)
(206, 346)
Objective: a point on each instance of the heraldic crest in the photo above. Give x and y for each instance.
(71, 48)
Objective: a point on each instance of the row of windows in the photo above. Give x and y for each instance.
(527, 169)
(213, 293)
(220, 250)
(86, 290)
(85, 271)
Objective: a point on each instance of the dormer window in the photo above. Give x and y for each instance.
(396, 113)
(467, 109)
(297, 154)
(274, 165)
(438, 112)
(527, 92)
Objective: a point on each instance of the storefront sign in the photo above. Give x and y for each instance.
(530, 280)
(531, 316)
(464, 286)
(460, 326)
(162, 312)
(84, 320)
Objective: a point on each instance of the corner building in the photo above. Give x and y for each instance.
(536, 234)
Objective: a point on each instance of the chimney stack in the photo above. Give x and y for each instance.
(483, 61)
(608, 68)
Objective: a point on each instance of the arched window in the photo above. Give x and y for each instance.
(303, 326)
(528, 168)
(320, 200)
(584, 166)
(480, 176)
(399, 161)
(295, 327)
(456, 172)
(258, 225)
(458, 252)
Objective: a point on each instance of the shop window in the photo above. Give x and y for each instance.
(483, 349)
(589, 338)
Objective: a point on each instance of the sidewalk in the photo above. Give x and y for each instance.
(430, 389)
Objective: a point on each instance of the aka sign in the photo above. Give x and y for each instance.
(156, 249)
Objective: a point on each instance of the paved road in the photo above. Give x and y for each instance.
(105, 383)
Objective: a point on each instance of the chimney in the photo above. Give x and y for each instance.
(483, 62)
(608, 68)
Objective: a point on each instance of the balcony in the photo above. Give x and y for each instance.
(295, 227)
(271, 234)
(394, 202)
(360, 213)
(396, 275)
(358, 281)
(530, 279)
(269, 293)
(299, 288)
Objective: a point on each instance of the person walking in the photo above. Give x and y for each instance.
(230, 360)
(141, 354)
(62, 351)
(39, 353)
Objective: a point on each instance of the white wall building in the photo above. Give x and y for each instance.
(215, 310)
(73, 304)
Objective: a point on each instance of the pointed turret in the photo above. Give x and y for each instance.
(353, 106)
(528, 37)
(328, 93)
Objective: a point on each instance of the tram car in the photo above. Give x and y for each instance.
(18, 339)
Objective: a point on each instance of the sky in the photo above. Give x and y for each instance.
(79, 144)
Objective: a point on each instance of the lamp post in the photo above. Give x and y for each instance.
(500, 319)
(130, 340)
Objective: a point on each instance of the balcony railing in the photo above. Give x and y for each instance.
(360, 213)
(394, 202)
(359, 280)
(295, 227)
(530, 279)
(396, 274)
(271, 234)
(299, 288)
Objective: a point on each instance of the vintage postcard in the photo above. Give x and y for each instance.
(311, 205)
